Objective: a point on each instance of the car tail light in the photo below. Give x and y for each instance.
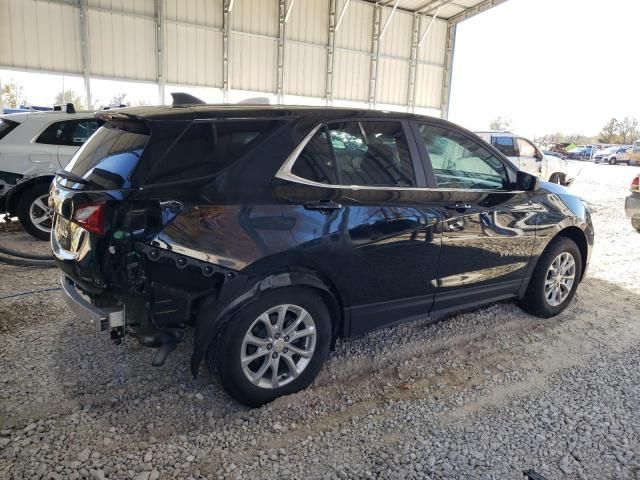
(90, 217)
(635, 184)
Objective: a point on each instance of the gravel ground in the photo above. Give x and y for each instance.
(480, 395)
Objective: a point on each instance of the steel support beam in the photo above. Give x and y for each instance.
(448, 70)
(375, 52)
(413, 63)
(331, 45)
(84, 50)
(342, 12)
(388, 21)
(160, 60)
(289, 8)
(473, 11)
(426, 32)
(226, 29)
(281, 33)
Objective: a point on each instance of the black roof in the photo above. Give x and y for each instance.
(192, 112)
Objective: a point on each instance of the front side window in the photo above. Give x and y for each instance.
(505, 145)
(362, 153)
(461, 163)
(80, 131)
(525, 148)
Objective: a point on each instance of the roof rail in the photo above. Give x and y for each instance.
(64, 107)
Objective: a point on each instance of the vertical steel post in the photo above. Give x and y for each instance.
(84, 50)
(448, 70)
(281, 33)
(331, 44)
(160, 63)
(413, 64)
(375, 51)
(226, 29)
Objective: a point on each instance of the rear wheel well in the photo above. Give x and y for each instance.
(578, 236)
(14, 194)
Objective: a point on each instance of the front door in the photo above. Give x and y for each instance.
(488, 227)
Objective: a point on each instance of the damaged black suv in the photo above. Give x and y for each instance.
(273, 231)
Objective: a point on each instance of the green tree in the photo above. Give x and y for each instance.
(12, 95)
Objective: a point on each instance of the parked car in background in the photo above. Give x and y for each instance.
(272, 231)
(613, 155)
(582, 152)
(632, 203)
(33, 145)
(634, 154)
(529, 158)
(551, 153)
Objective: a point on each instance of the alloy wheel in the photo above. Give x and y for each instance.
(278, 346)
(560, 279)
(40, 215)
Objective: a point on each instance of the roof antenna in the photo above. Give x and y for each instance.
(181, 98)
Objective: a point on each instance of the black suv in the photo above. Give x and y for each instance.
(272, 231)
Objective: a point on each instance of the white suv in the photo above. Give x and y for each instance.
(33, 145)
(529, 158)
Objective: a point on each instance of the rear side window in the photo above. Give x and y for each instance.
(208, 147)
(53, 134)
(108, 159)
(505, 145)
(6, 126)
(363, 153)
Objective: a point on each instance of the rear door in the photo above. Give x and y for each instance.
(488, 227)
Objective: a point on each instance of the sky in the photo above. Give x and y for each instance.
(549, 65)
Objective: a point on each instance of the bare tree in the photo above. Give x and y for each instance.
(70, 96)
(500, 124)
(628, 130)
(118, 99)
(609, 133)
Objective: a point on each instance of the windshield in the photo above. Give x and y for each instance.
(108, 158)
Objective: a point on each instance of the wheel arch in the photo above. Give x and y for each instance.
(14, 194)
(580, 239)
(214, 312)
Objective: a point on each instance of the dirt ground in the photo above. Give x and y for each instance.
(72, 405)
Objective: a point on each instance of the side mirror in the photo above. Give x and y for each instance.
(527, 182)
(539, 156)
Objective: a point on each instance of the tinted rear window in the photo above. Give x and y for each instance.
(208, 147)
(6, 126)
(108, 159)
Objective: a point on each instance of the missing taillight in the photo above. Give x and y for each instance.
(91, 217)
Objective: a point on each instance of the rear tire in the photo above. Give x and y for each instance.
(549, 291)
(33, 206)
(635, 223)
(247, 335)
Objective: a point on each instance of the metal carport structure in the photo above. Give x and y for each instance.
(393, 53)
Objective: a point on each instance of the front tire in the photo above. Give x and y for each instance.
(612, 161)
(555, 279)
(34, 213)
(635, 223)
(275, 346)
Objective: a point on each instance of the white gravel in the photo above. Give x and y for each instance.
(480, 395)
